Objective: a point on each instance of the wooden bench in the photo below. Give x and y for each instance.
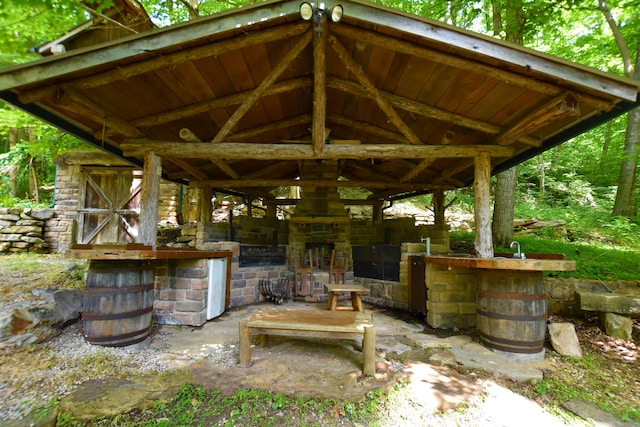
(312, 324)
(355, 290)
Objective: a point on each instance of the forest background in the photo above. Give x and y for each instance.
(589, 182)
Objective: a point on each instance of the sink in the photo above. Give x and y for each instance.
(533, 262)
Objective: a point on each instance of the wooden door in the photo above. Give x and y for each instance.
(417, 286)
(109, 206)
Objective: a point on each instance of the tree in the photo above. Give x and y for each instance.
(625, 204)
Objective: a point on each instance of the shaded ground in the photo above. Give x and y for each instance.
(437, 389)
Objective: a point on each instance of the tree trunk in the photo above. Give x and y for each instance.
(505, 192)
(439, 208)
(625, 203)
(512, 23)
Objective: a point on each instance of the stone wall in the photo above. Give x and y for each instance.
(181, 288)
(23, 230)
(451, 296)
(244, 288)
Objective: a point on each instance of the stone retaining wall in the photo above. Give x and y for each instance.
(23, 230)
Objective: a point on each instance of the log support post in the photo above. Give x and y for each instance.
(150, 195)
(482, 203)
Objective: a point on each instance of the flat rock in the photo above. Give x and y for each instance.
(113, 396)
(592, 413)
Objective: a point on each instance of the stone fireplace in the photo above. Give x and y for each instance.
(320, 222)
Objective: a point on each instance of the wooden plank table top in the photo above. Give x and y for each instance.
(311, 320)
(355, 290)
(311, 324)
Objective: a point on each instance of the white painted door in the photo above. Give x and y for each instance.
(217, 287)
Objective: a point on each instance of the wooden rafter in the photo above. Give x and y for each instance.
(427, 110)
(222, 102)
(466, 65)
(264, 85)
(231, 150)
(425, 163)
(248, 134)
(367, 128)
(189, 136)
(560, 107)
(171, 60)
(74, 101)
(374, 93)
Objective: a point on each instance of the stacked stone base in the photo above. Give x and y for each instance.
(22, 230)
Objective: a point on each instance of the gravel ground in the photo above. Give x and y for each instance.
(38, 375)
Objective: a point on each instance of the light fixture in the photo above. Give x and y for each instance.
(306, 11)
(335, 14)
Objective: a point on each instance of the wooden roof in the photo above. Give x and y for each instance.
(238, 100)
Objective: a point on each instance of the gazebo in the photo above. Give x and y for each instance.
(320, 96)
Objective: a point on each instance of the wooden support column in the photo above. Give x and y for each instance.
(439, 208)
(150, 194)
(205, 207)
(377, 211)
(319, 89)
(482, 203)
(271, 209)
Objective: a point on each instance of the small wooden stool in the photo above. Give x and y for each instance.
(355, 290)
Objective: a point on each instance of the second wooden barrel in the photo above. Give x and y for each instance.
(118, 302)
(512, 311)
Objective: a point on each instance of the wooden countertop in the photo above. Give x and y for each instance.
(533, 262)
(137, 251)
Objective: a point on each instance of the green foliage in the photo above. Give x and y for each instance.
(596, 383)
(195, 405)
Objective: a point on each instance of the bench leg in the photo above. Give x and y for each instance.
(245, 344)
(369, 351)
(333, 301)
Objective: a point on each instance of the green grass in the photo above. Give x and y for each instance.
(595, 378)
(195, 406)
(595, 260)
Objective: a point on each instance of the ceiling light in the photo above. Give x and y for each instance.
(306, 11)
(336, 13)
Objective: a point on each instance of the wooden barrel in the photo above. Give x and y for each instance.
(512, 311)
(118, 302)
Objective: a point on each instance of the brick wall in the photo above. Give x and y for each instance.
(451, 296)
(181, 288)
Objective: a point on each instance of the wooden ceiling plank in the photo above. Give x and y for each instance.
(222, 102)
(79, 104)
(304, 119)
(368, 128)
(374, 93)
(237, 150)
(425, 163)
(172, 59)
(259, 91)
(252, 183)
(558, 108)
(428, 111)
(319, 88)
(464, 64)
(268, 170)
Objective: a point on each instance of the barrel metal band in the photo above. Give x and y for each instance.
(98, 340)
(116, 291)
(512, 346)
(492, 315)
(511, 295)
(115, 316)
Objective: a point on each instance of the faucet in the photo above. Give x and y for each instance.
(518, 254)
(428, 241)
